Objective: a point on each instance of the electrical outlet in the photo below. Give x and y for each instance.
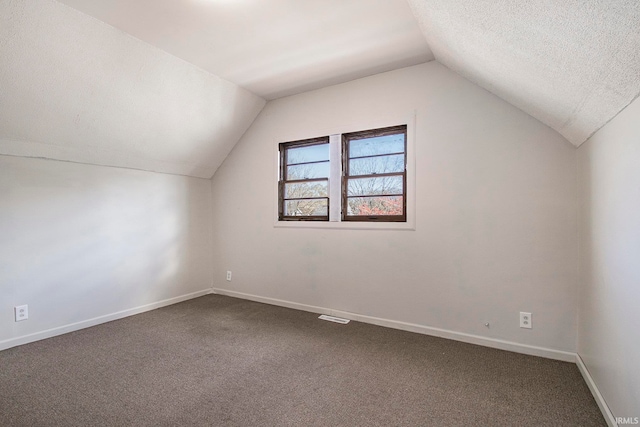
(228, 275)
(22, 312)
(525, 320)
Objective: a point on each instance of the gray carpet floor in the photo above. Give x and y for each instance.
(221, 361)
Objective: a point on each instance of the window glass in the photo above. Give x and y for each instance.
(302, 208)
(303, 191)
(363, 180)
(375, 186)
(306, 189)
(308, 170)
(376, 165)
(374, 175)
(377, 145)
(311, 153)
(378, 205)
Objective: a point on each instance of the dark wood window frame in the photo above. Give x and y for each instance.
(283, 148)
(354, 136)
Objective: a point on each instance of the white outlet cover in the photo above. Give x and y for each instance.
(525, 320)
(21, 312)
(228, 275)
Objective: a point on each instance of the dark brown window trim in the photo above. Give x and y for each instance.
(354, 136)
(283, 148)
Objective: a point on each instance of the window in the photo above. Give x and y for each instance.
(304, 180)
(374, 175)
(355, 177)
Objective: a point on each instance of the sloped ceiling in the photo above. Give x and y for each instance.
(573, 65)
(171, 86)
(76, 89)
(274, 48)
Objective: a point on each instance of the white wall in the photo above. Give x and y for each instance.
(79, 241)
(496, 218)
(609, 314)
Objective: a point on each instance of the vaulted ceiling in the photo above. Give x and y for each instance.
(171, 86)
(572, 64)
(274, 48)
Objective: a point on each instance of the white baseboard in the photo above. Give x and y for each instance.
(412, 327)
(602, 404)
(37, 336)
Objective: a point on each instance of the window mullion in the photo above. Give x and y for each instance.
(335, 177)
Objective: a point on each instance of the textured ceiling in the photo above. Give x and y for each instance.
(274, 48)
(571, 64)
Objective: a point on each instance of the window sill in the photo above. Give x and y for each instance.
(346, 225)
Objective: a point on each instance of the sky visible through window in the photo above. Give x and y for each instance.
(377, 145)
(300, 166)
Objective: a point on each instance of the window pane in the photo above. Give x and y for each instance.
(378, 145)
(300, 190)
(379, 205)
(311, 153)
(309, 170)
(375, 186)
(306, 207)
(381, 164)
